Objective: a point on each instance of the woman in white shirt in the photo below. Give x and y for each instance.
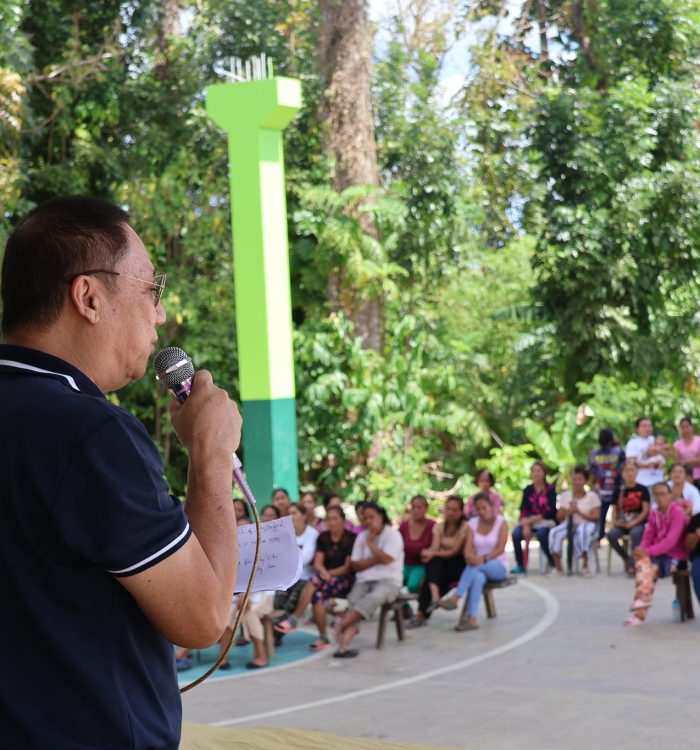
(582, 506)
(377, 560)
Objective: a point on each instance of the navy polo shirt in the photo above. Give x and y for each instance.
(83, 502)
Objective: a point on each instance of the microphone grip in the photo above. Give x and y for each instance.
(181, 391)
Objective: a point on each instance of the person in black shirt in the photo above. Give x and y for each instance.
(632, 503)
(333, 578)
(103, 569)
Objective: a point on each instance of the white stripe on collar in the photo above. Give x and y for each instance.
(22, 366)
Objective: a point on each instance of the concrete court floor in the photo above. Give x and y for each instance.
(555, 669)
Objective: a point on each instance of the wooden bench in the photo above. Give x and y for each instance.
(489, 588)
(683, 593)
(397, 608)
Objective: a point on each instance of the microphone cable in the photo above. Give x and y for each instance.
(175, 370)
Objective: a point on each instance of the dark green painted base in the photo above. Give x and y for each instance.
(270, 447)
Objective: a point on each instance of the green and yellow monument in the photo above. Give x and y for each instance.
(254, 110)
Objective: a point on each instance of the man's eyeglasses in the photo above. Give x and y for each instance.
(157, 285)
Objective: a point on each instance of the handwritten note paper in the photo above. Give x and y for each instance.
(279, 565)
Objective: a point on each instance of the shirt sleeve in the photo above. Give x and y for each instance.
(392, 544)
(308, 545)
(359, 550)
(631, 449)
(113, 506)
(674, 535)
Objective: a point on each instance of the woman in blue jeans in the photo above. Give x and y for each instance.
(485, 555)
(537, 516)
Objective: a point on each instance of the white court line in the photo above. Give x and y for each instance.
(550, 615)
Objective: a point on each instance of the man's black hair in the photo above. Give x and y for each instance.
(54, 242)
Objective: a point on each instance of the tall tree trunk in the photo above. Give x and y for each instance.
(345, 57)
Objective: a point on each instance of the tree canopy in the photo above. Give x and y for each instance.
(526, 243)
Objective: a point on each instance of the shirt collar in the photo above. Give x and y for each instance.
(34, 362)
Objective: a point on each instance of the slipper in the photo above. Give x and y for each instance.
(225, 665)
(351, 653)
(639, 604)
(465, 625)
(447, 603)
(320, 644)
(253, 665)
(633, 622)
(416, 623)
(432, 607)
(285, 626)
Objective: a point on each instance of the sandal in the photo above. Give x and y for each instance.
(639, 604)
(633, 622)
(416, 623)
(320, 643)
(351, 653)
(288, 625)
(447, 602)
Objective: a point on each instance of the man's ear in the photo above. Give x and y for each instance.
(85, 297)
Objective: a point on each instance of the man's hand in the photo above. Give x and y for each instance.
(208, 424)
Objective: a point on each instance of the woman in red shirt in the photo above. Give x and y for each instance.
(417, 533)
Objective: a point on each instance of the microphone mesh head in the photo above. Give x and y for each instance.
(173, 367)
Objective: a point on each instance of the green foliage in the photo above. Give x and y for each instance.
(534, 241)
(618, 250)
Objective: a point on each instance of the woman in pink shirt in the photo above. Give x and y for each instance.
(661, 550)
(688, 448)
(486, 559)
(485, 481)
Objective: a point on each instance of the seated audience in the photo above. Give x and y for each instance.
(605, 465)
(687, 448)
(377, 560)
(308, 501)
(335, 501)
(270, 513)
(692, 545)
(417, 533)
(486, 558)
(485, 481)
(578, 507)
(630, 513)
(444, 559)
(287, 601)
(661, 550)
(259, 605)
(537, 513)
(682, 490)
(281, 501)
(332, 578)
(360, 513)
(241, 510)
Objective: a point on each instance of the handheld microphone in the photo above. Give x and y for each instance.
(174, 369)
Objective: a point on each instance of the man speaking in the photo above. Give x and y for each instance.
(103, 568)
